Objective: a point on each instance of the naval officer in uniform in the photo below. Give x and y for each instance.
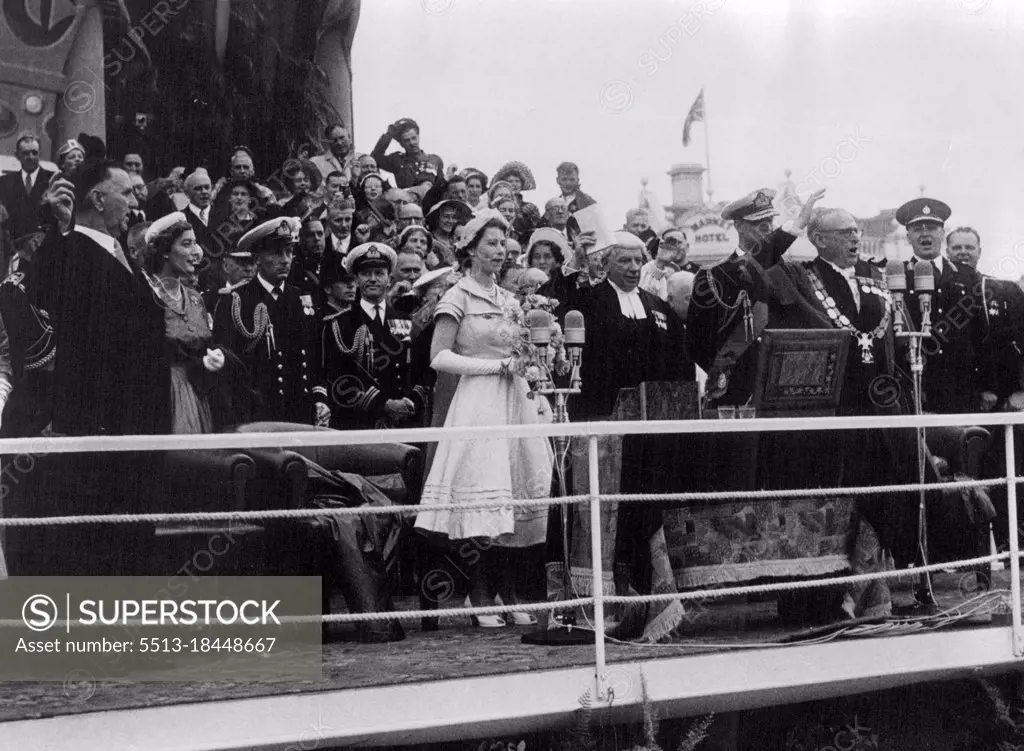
(272, 327)
(372, 374)
(729, 307)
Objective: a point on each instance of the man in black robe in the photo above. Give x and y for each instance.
(110, 378)
(632, 337)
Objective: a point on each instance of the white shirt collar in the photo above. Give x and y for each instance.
(268, 286)
(629, 302)
(368, 307)
(34, 174)
(940, 261)
(102, 239)
(849, 273)
(198, 211)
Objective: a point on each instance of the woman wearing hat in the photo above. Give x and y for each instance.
(476, 188)
(170, 261)
(547, 250)
(415, 239)
(520, 178)
(442, 220)
(478, 337)
(69, 156)
(370, 187)
(499, 194)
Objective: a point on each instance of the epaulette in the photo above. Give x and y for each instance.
(16, 278)
(227, 289)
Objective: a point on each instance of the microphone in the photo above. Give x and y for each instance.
(924, 286)
(896, 282)
(540, 337)
(575, 336)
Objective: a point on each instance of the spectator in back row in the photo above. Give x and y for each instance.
(22, 191)
(414, 167)
(338, 156)
(568, 180)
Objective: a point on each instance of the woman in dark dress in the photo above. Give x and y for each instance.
(170, 262)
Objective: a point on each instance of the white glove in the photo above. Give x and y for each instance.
(544, 411)
(323, 415)
(449, 362)
(214, 360)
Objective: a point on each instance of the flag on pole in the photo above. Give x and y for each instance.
(696, 115)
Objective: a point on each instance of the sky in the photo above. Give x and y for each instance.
(871, 99)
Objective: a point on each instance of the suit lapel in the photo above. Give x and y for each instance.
(837, 287)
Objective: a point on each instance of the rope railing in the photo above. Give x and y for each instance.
(589, 431)
(97, 444)
(689, 595)
(315, 513)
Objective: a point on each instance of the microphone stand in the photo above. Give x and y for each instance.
(565, 633)
(925, 595)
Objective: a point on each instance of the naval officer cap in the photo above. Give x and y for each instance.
(270, 236)
(753, 207)
(923, 210)
(370, 255)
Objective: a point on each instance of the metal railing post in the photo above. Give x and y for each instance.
(597, 569)
(1011, 514)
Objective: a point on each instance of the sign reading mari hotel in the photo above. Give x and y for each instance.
(711, 237)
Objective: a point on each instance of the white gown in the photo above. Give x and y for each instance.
(495, 469)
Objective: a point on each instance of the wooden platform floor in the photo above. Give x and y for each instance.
(457, 650)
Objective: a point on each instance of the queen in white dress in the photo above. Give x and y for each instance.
(479, 336)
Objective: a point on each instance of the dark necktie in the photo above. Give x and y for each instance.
(276, 293)
(28, 184)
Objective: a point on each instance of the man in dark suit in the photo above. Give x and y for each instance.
(729, 305)
(110, 378)
(958, 373)
(21, 192)
(339, 227)
(272, 327)
(198, 189)
(372, 375)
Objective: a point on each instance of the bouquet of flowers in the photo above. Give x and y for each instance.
(554, 354)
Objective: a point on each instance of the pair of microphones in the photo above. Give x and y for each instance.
(539, 323)
(924, 287)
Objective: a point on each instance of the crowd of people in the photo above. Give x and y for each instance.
(370, 291)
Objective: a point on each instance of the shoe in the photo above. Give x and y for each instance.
(523, 619)
(488, 621)
(376, 635)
